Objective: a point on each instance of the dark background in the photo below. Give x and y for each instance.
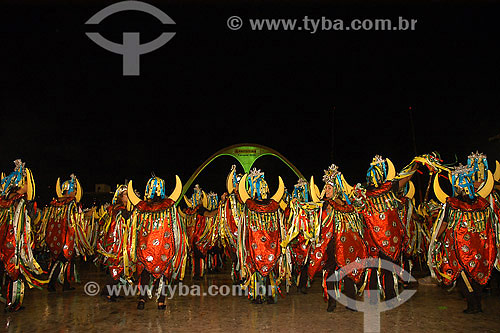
(333, 96)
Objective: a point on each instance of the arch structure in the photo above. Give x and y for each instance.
(246, 154)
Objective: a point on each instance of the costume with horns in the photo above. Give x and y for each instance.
(159, 238)
(16, 213)
(341, 237)
(380, 208)
(463, 241)
(260, 232)
(202, 230)
(116, 239)
(302, 225)
(413, 240)
(230, 208)
(65, 232)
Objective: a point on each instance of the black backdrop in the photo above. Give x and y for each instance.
(332, 96)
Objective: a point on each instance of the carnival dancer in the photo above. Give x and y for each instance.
(341, 239)
(413, 246)
(384, 231)
(260, 233)
(115, 243)
(201, 226)
(65, 236)
(463, 247)
(300, 244)
(159, 239)
(230, 208)
(17, 209)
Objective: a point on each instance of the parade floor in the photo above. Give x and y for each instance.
(431, 309)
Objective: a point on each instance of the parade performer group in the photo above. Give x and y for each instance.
(273, 241)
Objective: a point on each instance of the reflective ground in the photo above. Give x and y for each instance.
(431, 309)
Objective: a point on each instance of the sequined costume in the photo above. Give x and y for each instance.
(17, 209)
(463, 248)
(341, 238)
(115, 242)
(160, 239)
(261, 225)
(65, 233)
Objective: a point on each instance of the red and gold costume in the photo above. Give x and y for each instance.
(464, 246)
(16, 212)
(384, 231)
(261, 233)
(159, 242)
(65, 232)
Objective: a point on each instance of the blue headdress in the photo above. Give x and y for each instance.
(15, 178)
(155, 187)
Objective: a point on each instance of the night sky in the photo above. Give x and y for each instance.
(65, 106)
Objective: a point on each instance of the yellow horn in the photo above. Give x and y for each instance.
(132, 197)
(281, 190)
(438, 191)
(31, 185)
(204, 199)
(229, 181)
(488, 186)
(318, 193)
(346, 184)
(242, 189)
(391, 173)
(176, 193)
(314, 190)
(188, 202)
(58, 188)
(496, 175)
(79, 191)
(411, 190)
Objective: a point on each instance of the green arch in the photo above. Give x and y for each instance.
(246, 154)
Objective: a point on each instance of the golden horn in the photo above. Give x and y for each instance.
(488, 186)
(391, 173)
(79, 191)
(188, 202)
(496, 175)
(2, 176)
(132, 197)
(438, 191)
(229, 181)
(411, 190)
(204, 199)
(242, 191)
(281, 190)
(58, 188)
(321, 194)
(314, 190)
(31, 185)
(176, 193)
